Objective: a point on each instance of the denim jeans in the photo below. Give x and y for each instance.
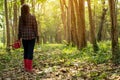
(28, 46)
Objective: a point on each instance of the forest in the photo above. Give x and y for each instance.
(79, 40)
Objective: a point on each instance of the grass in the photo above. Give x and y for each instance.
(61, 52)
(59, 58)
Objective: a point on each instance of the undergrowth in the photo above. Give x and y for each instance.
(57, 56)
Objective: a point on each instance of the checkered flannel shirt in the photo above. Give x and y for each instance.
(28, 31)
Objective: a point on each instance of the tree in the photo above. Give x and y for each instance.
(73, 18)
(104, 10)
(69, 22)
(63, 15)
(92, 28)
(114, 32)
(81, 26)
(10, 16)
(15, 20)
(74, 35)
(7, 25)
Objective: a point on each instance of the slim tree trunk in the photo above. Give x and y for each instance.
(15, 26)
(58, 36)
(10, 17)
(4, 36)
(7, 26)
(74, 36)
(94, 13)
(99, 35)
(40, 8)
(69, 22)
(114, 33)
(11, 25)
(92, 28)
(77, 10)
(62, 3)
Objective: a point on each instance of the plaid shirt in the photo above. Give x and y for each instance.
(30, 30)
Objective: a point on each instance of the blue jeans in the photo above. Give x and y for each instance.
(28, 46)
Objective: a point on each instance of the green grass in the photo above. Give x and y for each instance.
(67, 57)
(59, 52)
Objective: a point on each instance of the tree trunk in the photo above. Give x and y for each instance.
(15, 26)
(58, 36)
(74, 36)
(4, 36)
(62, 3)
(7, 26)
(22, 2)
(10, 7)
(94, 13)
(69, 22)
(77, 10)
(99, 35)
(114, 33)
(92, 28)
(45, 39)
(81, 26)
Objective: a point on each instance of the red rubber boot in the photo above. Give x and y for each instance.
(29, 65)
(25, 64)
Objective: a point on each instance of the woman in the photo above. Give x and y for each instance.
(28, 32)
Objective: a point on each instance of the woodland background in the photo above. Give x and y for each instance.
(79, 39)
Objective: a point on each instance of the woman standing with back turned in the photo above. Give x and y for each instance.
(28, 33)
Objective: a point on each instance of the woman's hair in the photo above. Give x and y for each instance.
(24, 11)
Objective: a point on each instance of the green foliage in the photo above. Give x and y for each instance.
(49, 19)
(101, 56)
(60, 60)
(87, 54)
(10, 58)
(41, 1)
(1, 6)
